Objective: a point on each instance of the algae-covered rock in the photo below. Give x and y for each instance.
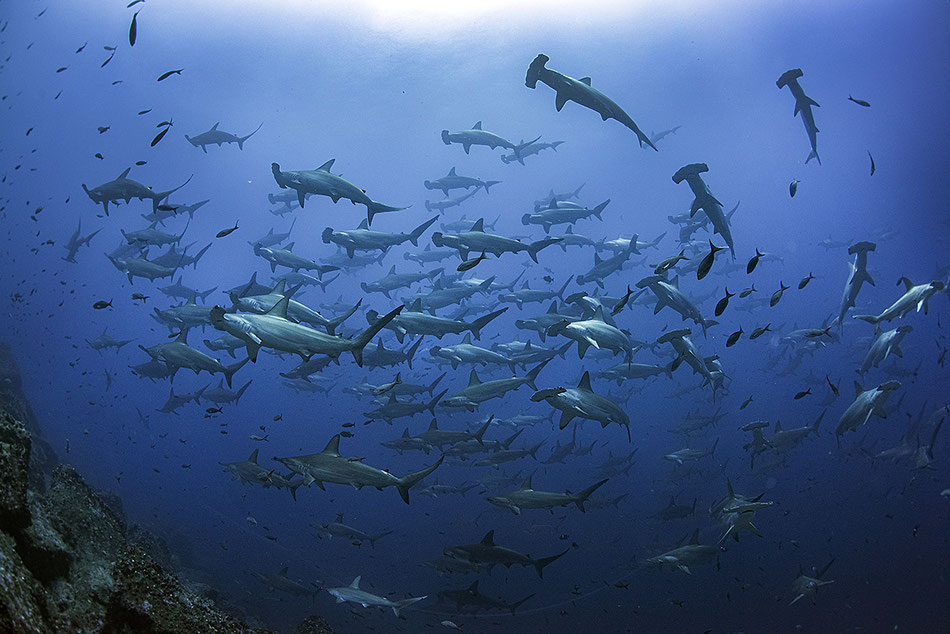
(14, 477)
(22, 599)
(147, 600)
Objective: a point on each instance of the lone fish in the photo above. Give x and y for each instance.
(169, 73)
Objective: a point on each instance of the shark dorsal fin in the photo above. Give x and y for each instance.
(283, 571)
(695, 538)
(416, 306)
(290, 246)
(364, 224)
(452, 172)
(434, 425)
(857, 389)
(597, 259)
(585, 80)
(467, 339)
(907, 283)
(356, 583)
(280, 287)
(778, 426)
(253, 457)
(477, 126)
(125, 173)
(215, 127)
(326, 166)
(553, 308)
(333, 448)
(473, 378)
(570, 229)
(280, 308)
(392, 270)
(182, 336)
(732, 493)
(585, 383)
(405, 433)
(489, 538)
(599, 314)
(526, 484)
(379, 344)
(479, 225)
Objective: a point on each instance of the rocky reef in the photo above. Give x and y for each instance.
(68, 560)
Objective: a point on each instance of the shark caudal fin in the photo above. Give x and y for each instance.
(332, 324)
(582, 496)
(418, 231)
(435, 399)
(535, 247)
(229, 370)
(375, 207)
(488, 184)
(813, 155)
(242, 139)
(539, 564)
(360, 341)
(398, 605)
(533, 374)
(412, 352)
(517, 604)
(477, 325)
(240, 392)
(158, 197)
(410, 480)
(373, 538)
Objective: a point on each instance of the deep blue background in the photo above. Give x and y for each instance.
(372, 90)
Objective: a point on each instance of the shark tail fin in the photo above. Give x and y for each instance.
(488, 184)
(332, 324)
(435, 399)
(373, 538)
(242, 139)
(406, 602)
(477, 325)
(292, 487)
(435, 383)
(533, 374)
(517, 604)
(481, 431)
(813, 155)
(582, 496)
(539, 564)
(367, 335)
(418, 231)
(412, 352)
(195, 265)
(229, 370)
(375, 207)
(412, 479)
(535, 247)
(158, 197)
(240, 392)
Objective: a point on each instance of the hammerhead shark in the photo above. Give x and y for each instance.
(580, 91)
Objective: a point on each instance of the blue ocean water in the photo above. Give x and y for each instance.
(372, 88)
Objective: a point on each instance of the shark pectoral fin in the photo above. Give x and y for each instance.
(566, 418)
(684, 568)
(559, 101)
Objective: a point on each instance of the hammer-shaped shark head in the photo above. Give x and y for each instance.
(547, 393)
(534, 70)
